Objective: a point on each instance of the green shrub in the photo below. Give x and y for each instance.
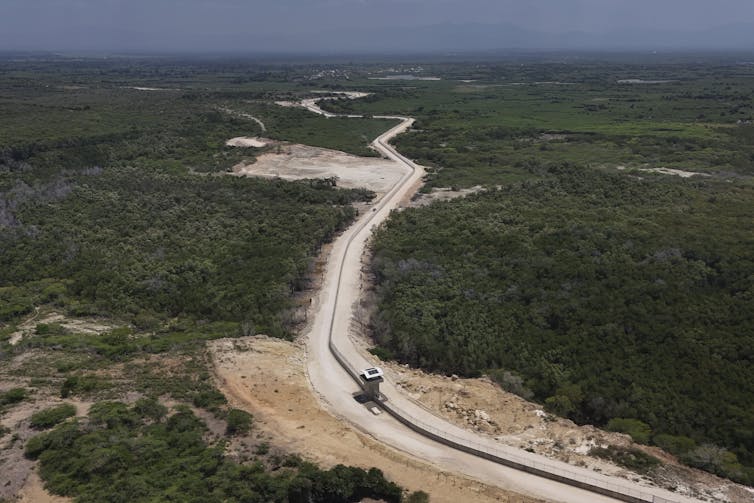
(674, 444)
(12, 396)
(50, 329)
(382, 353)
(239, 422)
(75, 385)
(113, 415)
(631, 458)
(61, 438)
(639, 431)
(209, 399)
(262, 449)
(50, 417)
(714, 459)
(417, 497)
(143, 461)
(150, 408)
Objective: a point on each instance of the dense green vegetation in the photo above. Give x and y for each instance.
(114, 207)
(602, 295)
(622, 299)
(122, 453)
(146, 245)
(618, 298)
(512, 117)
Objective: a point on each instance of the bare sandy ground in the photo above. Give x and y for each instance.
(79, 325)
(151, 88)
(267, 377)
(247, 141)
(442, 194)
(668, 171)
(482, 406)
(295, 162)
(34, 492)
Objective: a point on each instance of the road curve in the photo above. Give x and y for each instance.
(332, 358)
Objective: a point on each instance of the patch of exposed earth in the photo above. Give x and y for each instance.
(482, 406)
(442, 194)
(296, 162)
(267, 377)
(667, 171)
(86, 326)
(17, 476)
(246, 142)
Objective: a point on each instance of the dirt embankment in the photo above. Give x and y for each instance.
(267, 377)
(482, 406)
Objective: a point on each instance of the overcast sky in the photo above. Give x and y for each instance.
(311, 25)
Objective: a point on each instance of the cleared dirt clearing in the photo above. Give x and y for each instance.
(267, 377)
(245, 141)
(295, 162)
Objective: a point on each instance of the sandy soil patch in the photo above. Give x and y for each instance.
(642, 81)
(86, 326)
(17, 475)
(247, 141)
(674, 172)
(668, 171)
(34, 492)
(295, 162)
(351, 95)
(442, 194)
(151, 88)
(267, 377)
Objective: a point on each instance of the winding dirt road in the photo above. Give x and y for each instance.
(336, 388)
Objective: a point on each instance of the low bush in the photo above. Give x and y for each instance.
(50, 417)
(630, 458)
(239, 422)
(638, 430)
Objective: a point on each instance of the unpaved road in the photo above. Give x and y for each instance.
(337, 389)
(244, 116)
